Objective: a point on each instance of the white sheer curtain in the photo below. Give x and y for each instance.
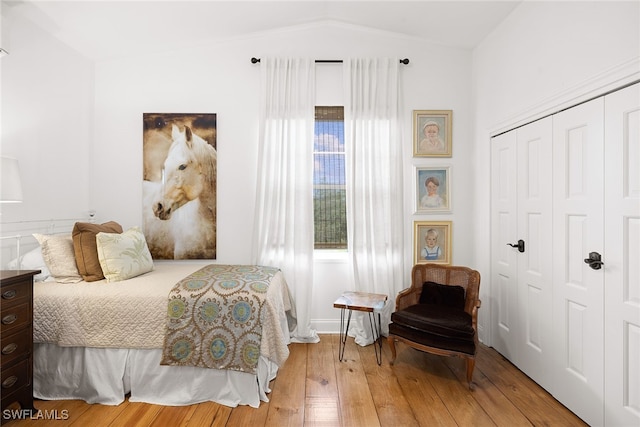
(373, 144)
(283, 229)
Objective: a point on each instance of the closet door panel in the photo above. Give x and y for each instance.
(534, 199)
(504, 312)
(578, 309)
(622, 265)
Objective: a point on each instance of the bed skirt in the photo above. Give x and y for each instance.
(106, 375)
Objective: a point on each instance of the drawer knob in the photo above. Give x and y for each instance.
(9, 382)
(9, 319)
(9, 348)
(10, 294)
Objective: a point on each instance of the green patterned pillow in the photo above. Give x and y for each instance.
(123, 255)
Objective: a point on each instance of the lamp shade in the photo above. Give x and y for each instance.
(10, 186)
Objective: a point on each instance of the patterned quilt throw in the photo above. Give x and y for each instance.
(216, 316)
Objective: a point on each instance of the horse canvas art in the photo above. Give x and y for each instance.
(179, 185)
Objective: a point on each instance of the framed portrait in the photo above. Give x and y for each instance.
(433, 189)
(179, 177)
(432, 242)
(432, 133)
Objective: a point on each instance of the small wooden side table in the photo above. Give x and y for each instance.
(361, 301)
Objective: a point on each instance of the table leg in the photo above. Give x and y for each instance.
(376, 332)
(343, 333)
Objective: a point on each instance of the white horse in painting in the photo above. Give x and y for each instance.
(185, 200)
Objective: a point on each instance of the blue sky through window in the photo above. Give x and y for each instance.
(328, 149)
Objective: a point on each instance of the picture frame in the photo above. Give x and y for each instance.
(433, 189)
(438, 251)
(432, 133)
(168, 182)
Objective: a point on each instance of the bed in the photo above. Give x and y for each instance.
(100, 341)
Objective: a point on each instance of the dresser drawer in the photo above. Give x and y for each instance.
(16, 338)
(15, 345)
(15, 317)
(15, 292)
(15, 377)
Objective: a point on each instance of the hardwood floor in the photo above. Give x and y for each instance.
(315, 389)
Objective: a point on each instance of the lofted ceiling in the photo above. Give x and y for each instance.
(107, 29)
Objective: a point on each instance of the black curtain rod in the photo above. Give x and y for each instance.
(404, 61)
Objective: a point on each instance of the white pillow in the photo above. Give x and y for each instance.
(123, 255)
(58, 254)
(32, 260)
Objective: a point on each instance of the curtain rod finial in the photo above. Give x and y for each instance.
(255, 60)
(404, 61)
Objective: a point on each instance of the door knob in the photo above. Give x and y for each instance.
(519, 245)
(594, 260)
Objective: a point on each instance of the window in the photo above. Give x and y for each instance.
(329, 194)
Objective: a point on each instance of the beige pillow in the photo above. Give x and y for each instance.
(123, 255)
(84, 246)
(57, 252)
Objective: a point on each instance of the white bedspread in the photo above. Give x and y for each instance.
(133, 313)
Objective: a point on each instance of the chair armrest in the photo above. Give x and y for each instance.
(474, 315)
(407, 297)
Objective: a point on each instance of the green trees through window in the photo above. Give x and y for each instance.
(329, 191)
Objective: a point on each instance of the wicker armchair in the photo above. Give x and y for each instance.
(439, 313)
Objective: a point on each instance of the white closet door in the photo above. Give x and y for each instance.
(521, 281)
(578, 289)
(504, 272)
(535, 297)
(622, 257)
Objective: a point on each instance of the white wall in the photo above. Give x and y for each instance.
(46, 122)
(543, 57)
(220, 79)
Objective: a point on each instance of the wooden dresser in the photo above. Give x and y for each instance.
(16, 358)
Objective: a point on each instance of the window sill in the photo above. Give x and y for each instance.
(330, 255)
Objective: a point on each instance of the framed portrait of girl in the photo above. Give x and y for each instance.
(433, 189)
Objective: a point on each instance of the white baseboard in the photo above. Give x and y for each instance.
(326, 326)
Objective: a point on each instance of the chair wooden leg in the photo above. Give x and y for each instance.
(392, 346)
(471, 363)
